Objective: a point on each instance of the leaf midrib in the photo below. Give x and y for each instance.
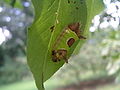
(44, 63)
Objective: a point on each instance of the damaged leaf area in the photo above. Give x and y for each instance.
(58, 27)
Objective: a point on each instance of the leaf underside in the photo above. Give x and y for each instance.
(42, 36)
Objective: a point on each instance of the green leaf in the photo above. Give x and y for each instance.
(42, 36)
(94, 7)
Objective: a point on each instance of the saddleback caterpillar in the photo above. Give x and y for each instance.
(64, 42)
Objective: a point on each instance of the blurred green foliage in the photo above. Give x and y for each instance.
(14, 19)
(14, 70)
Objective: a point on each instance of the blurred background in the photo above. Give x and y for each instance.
(96, 67)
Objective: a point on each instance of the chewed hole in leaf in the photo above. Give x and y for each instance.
(81, 2)
(68, 1)
(77, 8)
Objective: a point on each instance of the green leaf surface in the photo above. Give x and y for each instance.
(41, 38)
(94, 7)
